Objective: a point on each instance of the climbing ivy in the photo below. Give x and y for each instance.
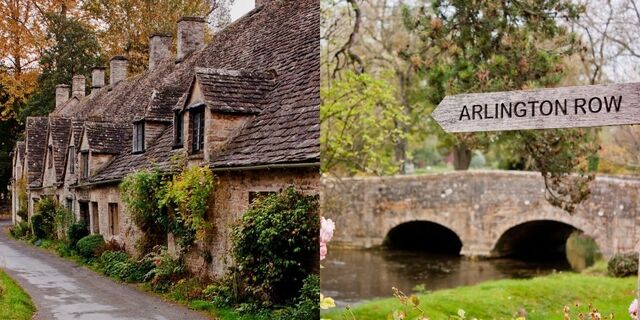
(141, 192)
(188, 195)
(160, 204)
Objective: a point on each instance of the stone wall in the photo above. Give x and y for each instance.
(231, 200)
(479, 206)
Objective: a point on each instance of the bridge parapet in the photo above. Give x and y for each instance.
(479, 206)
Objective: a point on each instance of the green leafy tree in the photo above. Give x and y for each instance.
(74, 50)
(360, 119)
(486, 46)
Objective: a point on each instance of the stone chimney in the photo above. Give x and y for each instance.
(118, 66)
(190, 36)
(159, 49)
(78, 86)
(62, 94)
(97, 79)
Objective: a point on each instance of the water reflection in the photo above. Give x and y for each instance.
(351, 276)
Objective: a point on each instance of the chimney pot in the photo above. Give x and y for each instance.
(97, 79)
(62, 94)
(78, 86)
(159, 49)
(190, 36)
(118, 66)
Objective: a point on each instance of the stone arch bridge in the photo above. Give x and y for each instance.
(488, 212)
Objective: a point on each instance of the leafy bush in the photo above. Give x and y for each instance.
(45, 208)
(88, 245)
(623, 265)
(307, 306)
(188, 196)
(76, 232)
(141, 192)
(37, 227)
(276, 245)
(167, 269)
(20, 230)
(62, 221)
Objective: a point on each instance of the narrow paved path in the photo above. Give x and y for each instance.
(63, 290)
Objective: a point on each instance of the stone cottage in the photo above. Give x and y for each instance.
(246, 105)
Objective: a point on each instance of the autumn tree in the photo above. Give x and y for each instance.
(73, 50)
(124, 26)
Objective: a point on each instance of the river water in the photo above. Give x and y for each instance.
(351, 276)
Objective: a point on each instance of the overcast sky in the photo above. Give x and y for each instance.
(240, 7)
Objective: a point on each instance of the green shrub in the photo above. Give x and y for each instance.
(20, 230)
(62, 221)
(38, 229)
(623, 265)
(45, 208)
(141, 192)
(307, 306)
(167, 269)
(76, 232)
(276, 246)
(111, 262)
(88, 245)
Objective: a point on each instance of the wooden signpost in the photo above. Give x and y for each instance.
(568, 107)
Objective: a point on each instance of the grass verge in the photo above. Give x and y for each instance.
(15, 304)
(540, 298)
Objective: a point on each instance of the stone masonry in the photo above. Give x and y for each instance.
(478, 206)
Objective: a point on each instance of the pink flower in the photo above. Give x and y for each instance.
(323, 250)
(633, 309)
(326, 230)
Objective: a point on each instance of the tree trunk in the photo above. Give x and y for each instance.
(461, 157)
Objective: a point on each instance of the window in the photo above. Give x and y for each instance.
(84, 213)
(69, 204)
(177, 129)
(85, 164)
(113, 219)
(72, 154)
(138, 137)
(197, 129)
(50, 157)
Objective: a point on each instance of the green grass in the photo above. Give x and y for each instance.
(15, 304)
(542, 298)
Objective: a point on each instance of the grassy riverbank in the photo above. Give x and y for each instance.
(541, 298)
(15, 304)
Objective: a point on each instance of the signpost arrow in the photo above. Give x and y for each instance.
(566, 107)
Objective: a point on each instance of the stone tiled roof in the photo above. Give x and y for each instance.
(159, 155)
(60, 129)
(281, 38)
(234, 91)
(36, 133)
(76, 127)
(108, 137)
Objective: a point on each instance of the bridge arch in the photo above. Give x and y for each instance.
(429, 235)
(538, 233)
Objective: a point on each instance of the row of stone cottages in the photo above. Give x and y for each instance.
(246, 104)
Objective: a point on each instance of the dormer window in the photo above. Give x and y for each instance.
(72, 153)
(50, 157)
(197, 129)
(138, 136)
(178, 130)
(84, 167)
